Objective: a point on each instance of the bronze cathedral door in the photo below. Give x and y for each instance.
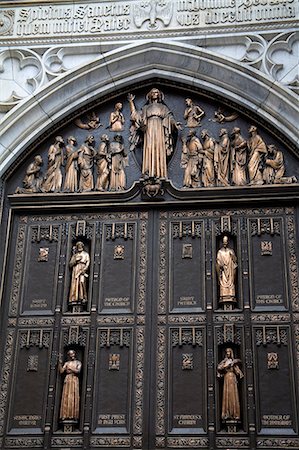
(148, 302)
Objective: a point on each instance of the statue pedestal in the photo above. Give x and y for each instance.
(231, 425)
(69, 425)
(76, 308)
(228, 303)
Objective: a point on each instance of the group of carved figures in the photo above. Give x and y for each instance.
(110, 160)
(228, 369)
(232, 160)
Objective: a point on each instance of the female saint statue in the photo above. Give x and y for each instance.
(159, 129)
(229, 369)
(70, 399)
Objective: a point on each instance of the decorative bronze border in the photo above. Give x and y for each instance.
(278, 443)
(160, 382)
(70, 441)
(139, 380)
(293, 262)
(233, 442)
(17, 275)
(6, 376)
(187, 442)
(142, 265)
(162, 266)
(76, 217)
(110, 441)
(24, 442)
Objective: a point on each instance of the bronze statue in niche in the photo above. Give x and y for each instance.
(70, 399)
(229, 369)
(222, 159)
(257, 150)
(193, 114)
(85, 163)
(191, 160)
(103, 162)
(53, 176)
(226, 267)
(238, 158)
(79, 264)
(117, 119)
(159, 128)
(32, 181)
(71, 168)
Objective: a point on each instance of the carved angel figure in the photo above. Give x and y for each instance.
(156, 124)
(117, 119)
(193, 114)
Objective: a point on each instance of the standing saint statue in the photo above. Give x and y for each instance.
(79, 263)
(70, 399)
(226, 267)
(229, 369)
(238, 158)
(117, 119)
(53, 176)
(257, 151)
(85, 163)
(222, 159)
(71, 167)
(159, 129)
(193, 114)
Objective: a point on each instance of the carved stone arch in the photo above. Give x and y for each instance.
(177, 63)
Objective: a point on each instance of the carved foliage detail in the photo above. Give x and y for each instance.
(35, 338)
(183, 336)
(184, 229)
(139, 379)
(17, 276)
(270, 226)
(45, 233)
(120, 231)
(111, 336)
(271, 335)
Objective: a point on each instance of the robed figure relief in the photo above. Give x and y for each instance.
(191, 160)
(70, 399)
(103, 162)
(79, 265)
(33, 180)
(226, 267)
(208, 170)
(53, 176)
(119, 161)
(238, 158)
(71, 167)
(257, 152)
(159, 129)
(85, 163)
(229, 369)
(222, 159)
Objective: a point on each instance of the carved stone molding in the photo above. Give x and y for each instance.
(17, 275)
(161, 374)
(297, 346)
